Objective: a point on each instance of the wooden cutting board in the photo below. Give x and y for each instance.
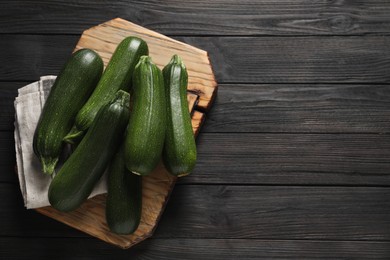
(202, 88)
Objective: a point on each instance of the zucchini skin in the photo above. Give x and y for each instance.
(146, 131)
(117, 76)
(70, 91)
(83, 169)
(179, 153)
(124, 197)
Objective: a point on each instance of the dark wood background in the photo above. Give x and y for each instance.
(294, 158)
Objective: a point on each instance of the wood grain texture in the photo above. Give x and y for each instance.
(297, 59)
(276, 108)
(205, 249)
(239, 212)
(234, 59)
(8, 159)
(192, 100)
(157, 186)
(300, 108)
(198, 119)
(310, 159)
(27, 57)
(223, 17)
(325, 213)
(272, 159)
(17, 219)
(306, 155)
(8, 93)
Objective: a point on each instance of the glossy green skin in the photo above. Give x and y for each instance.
(117, 76)
(179, 152)
(70, 91)
(146, 131)
(124, 197)
(83, 169)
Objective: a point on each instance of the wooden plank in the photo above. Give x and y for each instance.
(297, 59)
(28, 222)
(276, 108)
(8, 159)
(234, 59)
(224, 17)
(231, 212)
(49, 55)
(315, 159)
(213, 249)
(286, 108)
(8, 93)
(289, 159)
(324, 213)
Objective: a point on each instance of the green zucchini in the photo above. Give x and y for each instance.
(117, 76)
(85, 166)
(146, 130)
(124, 197)
(70, 91)
(179, 153)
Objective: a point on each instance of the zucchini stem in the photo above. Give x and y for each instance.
(48, 165)
(74, 136)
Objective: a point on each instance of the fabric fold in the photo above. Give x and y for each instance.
(28, 107)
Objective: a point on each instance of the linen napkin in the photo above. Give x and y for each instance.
(34, 184)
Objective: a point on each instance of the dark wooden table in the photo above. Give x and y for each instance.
(294, 158)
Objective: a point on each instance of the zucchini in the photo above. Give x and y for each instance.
(146, 131)
(124, 197)
(179, 153)
(117, 76)
(70, 91)
(85, 166)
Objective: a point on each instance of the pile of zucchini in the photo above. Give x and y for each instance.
(124, 119)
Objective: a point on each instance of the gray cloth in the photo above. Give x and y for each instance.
(33, 183)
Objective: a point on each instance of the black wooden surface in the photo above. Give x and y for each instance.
(294, 157)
